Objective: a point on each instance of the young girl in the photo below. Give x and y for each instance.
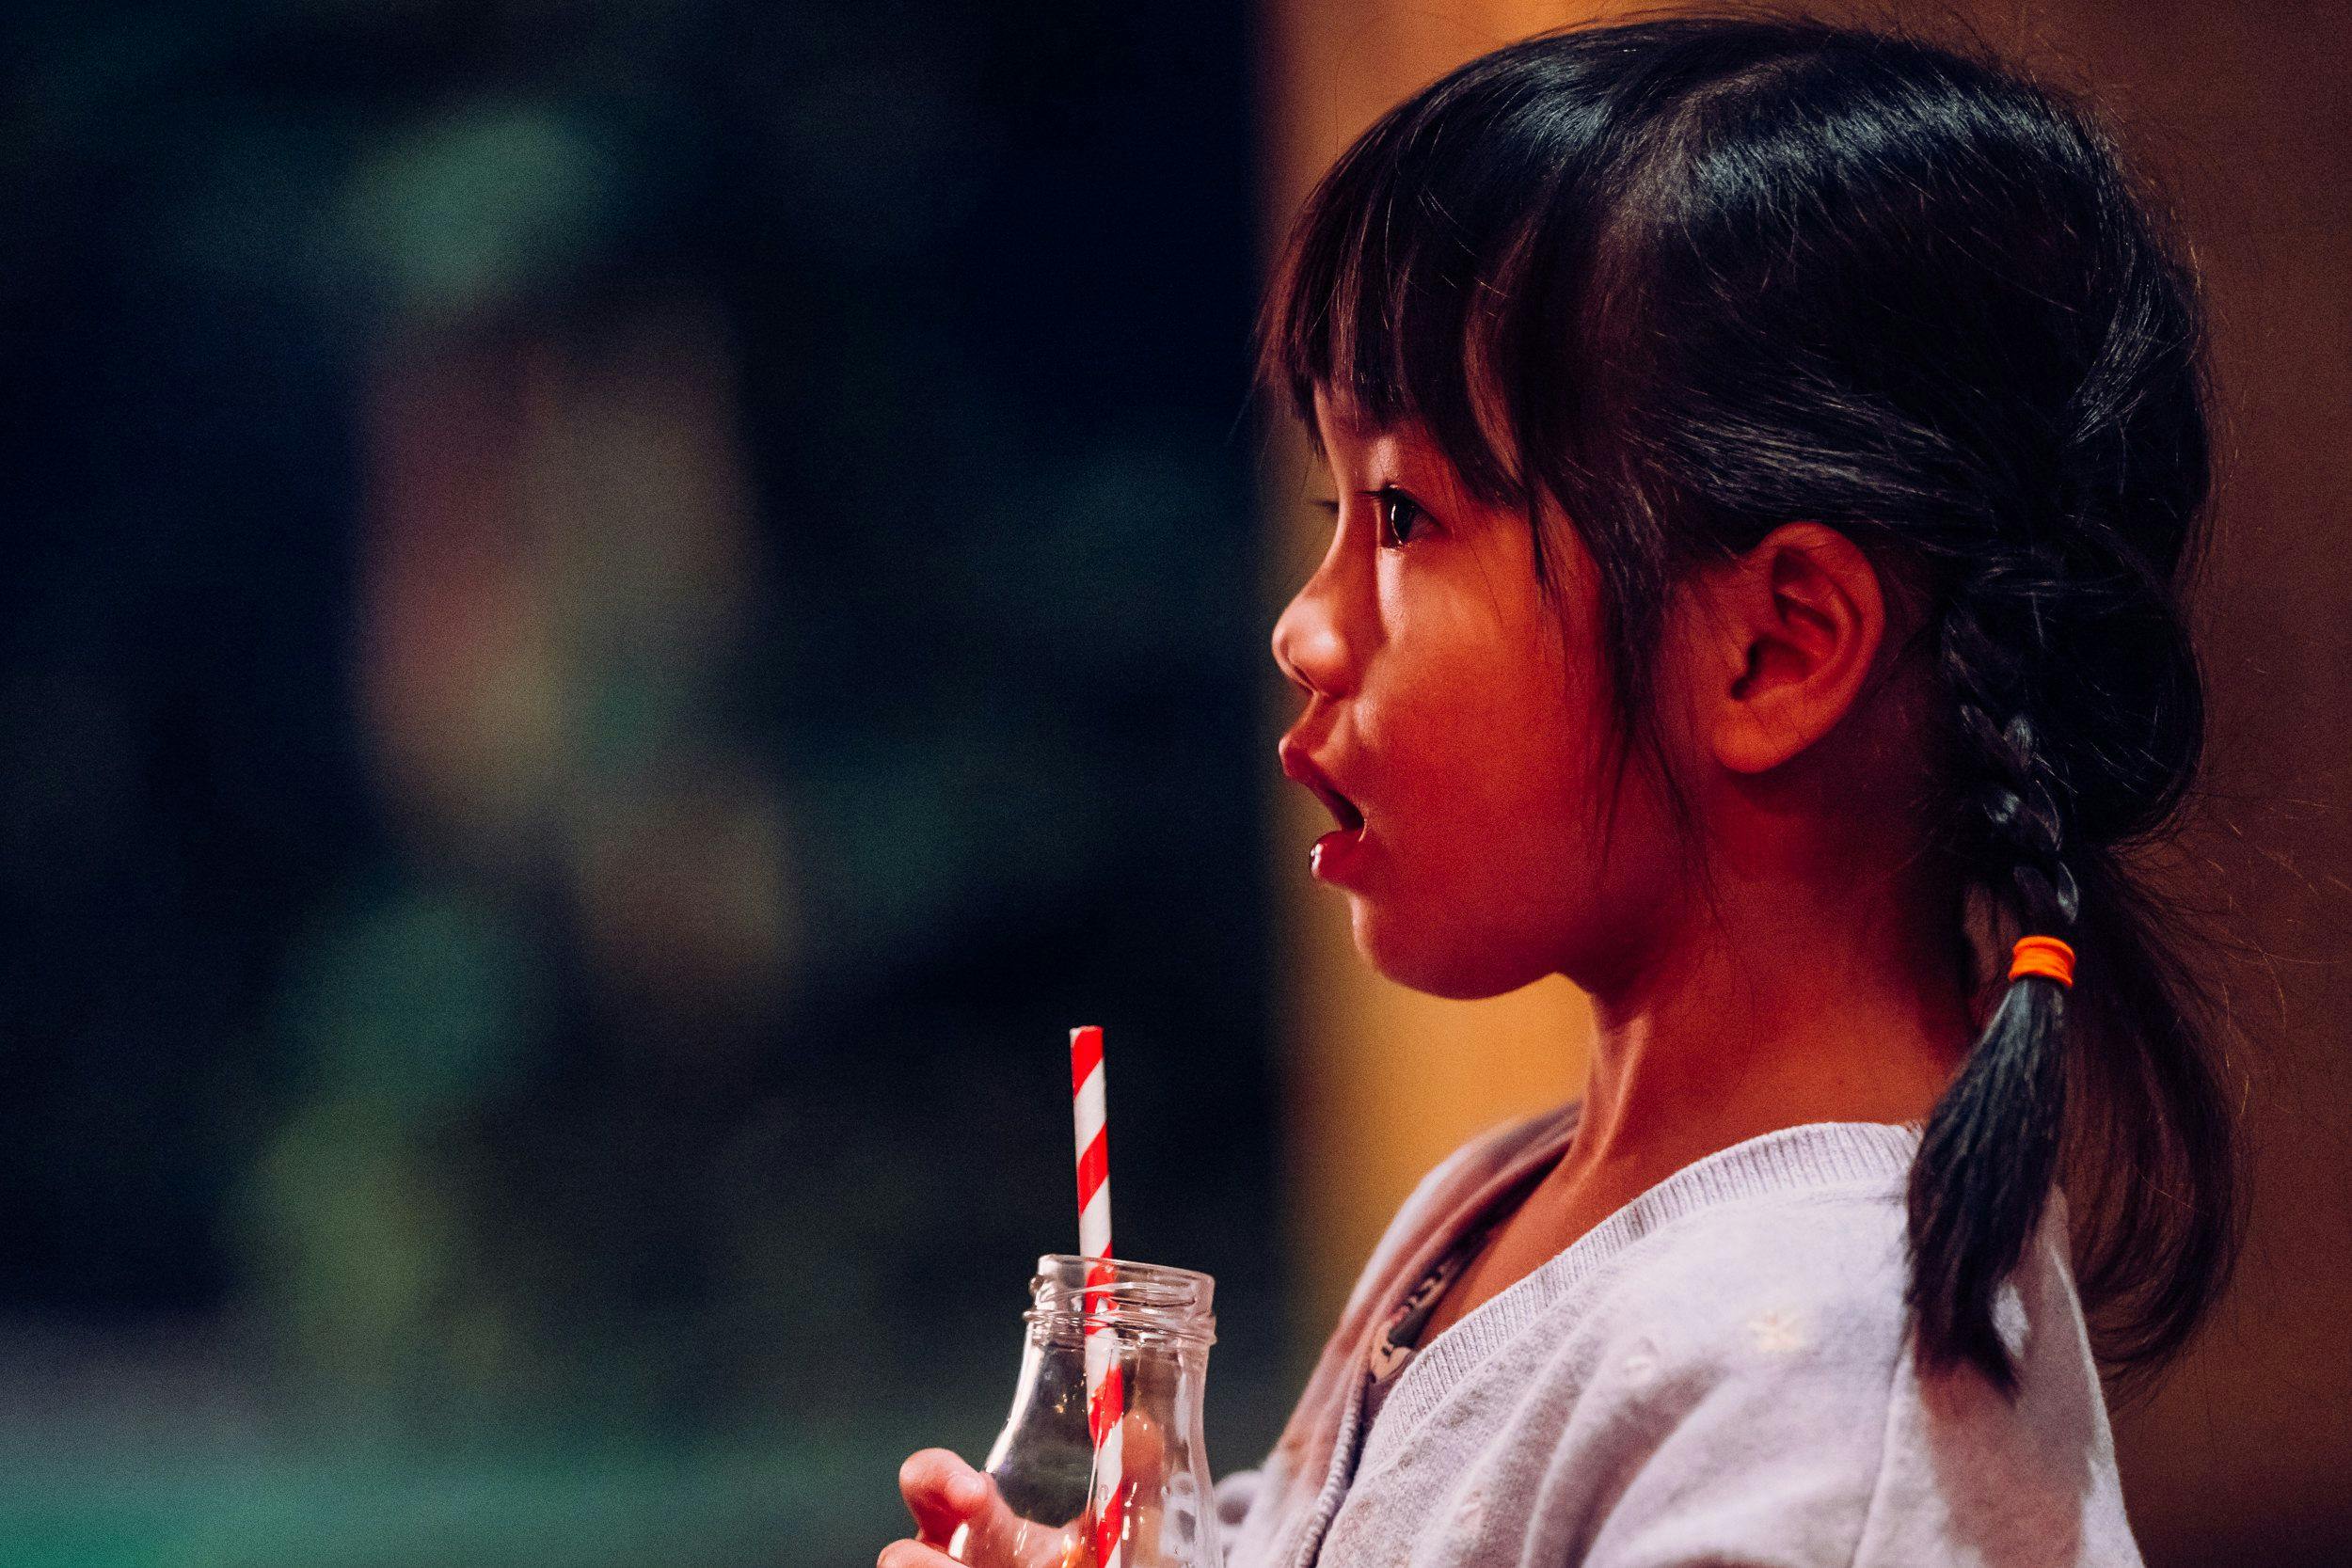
(1767, 461)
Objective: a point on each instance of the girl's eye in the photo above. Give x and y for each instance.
(1400, 515)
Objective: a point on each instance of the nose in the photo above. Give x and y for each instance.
(1309, 646)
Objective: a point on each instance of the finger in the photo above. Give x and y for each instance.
(1000, 1538)
(1142, 1463)
(1142, 1450)
(914, 1554)
(941, 1491)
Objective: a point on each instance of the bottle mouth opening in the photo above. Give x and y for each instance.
(1129, 1297)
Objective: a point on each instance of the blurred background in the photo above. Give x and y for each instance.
(614, 613)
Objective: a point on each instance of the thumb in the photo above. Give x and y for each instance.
(942, 1492)
(959, 1511)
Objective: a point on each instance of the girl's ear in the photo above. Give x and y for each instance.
(1788, 635)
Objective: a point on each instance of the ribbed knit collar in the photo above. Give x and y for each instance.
(1319, 1448)
(1809, 1158)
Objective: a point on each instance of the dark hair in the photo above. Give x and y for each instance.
(1690, 279)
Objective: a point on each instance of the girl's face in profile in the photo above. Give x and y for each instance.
(1455, 727)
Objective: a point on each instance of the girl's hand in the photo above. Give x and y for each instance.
(945, 1494)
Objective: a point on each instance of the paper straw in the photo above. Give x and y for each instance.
(1106, 1394)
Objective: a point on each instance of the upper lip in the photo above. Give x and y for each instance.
(1302, 768)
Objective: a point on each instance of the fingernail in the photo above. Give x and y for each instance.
(967, 1490)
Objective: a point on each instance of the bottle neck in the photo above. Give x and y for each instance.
(1151, 1326)
(1150, 1308)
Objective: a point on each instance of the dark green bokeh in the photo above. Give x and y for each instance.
(368, 1197)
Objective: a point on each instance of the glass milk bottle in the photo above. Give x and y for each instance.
(1156, 1322)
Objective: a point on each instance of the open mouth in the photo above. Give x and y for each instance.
(1337, 858)
(1301, 769)
(1342, 809)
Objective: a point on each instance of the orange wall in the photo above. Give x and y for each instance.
(2245, 1455)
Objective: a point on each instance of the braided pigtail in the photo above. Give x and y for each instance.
(1991, 1149)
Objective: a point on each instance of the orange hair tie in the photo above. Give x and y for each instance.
(2046, 956)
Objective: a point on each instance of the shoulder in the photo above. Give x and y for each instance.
(1789, 1281)
(1781, 1315)
(1761, 1351)
(2029, 1477)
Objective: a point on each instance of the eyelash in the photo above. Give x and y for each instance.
(1391, 502)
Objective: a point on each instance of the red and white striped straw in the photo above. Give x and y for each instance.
(1105, 1393)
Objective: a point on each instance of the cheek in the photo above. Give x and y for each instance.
(1494, 864)
(1493, 738)
(1479, 904)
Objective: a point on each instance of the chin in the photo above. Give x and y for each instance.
(1448, 962)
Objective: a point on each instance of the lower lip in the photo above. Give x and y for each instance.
(1335, 853)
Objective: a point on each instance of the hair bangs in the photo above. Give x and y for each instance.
(1393, 301)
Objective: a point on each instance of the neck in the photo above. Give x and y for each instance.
(1772, 1007)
